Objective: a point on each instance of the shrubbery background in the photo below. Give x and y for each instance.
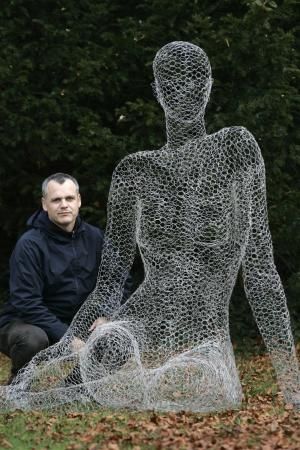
(75, 96)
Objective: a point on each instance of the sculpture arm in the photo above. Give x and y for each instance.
(120, 238)
(117, 254)
(265, 293)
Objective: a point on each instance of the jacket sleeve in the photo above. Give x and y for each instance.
(265, 292)
(26, 290)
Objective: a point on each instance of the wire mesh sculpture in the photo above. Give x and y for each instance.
(196, 209)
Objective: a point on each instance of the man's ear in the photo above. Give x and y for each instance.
(79, 198)
(44, 204)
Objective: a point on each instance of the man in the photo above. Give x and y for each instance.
(53, 268)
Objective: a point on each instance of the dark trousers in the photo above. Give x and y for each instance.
(21, 341)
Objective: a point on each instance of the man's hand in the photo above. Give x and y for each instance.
(77, 344)
(99, 321)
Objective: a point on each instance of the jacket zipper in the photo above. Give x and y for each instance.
(75, 254)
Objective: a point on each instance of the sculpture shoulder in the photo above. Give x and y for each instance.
(240, 144)
(126, 164)
(132, 165)
(134, 161)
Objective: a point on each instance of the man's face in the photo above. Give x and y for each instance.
(62, 204)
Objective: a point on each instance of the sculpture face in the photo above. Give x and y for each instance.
(183, 80)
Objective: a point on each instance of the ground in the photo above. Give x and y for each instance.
(263, 422)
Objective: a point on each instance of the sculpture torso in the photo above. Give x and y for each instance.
(192, 217)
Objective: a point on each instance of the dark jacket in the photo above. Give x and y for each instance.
(51, 274)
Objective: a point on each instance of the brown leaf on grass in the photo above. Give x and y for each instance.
(289, 407)
(74, 447)
(112, 446)
(87, 438)
(273, 426)
(148, 426)
(75, 415)
(4, 443)
(226, 447)
(94, 447)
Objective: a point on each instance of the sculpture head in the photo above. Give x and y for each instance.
(183, 80)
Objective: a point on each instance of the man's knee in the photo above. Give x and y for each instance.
(25, 342)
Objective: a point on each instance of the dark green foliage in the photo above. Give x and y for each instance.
(76, 97)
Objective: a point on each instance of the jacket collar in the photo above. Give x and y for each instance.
(40, 220)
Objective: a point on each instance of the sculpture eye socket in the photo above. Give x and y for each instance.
(180, 85)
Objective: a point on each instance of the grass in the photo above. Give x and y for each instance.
(263, 422)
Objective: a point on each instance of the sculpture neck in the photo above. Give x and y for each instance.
(179, 133)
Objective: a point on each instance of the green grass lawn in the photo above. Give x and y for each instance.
(263, 422)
